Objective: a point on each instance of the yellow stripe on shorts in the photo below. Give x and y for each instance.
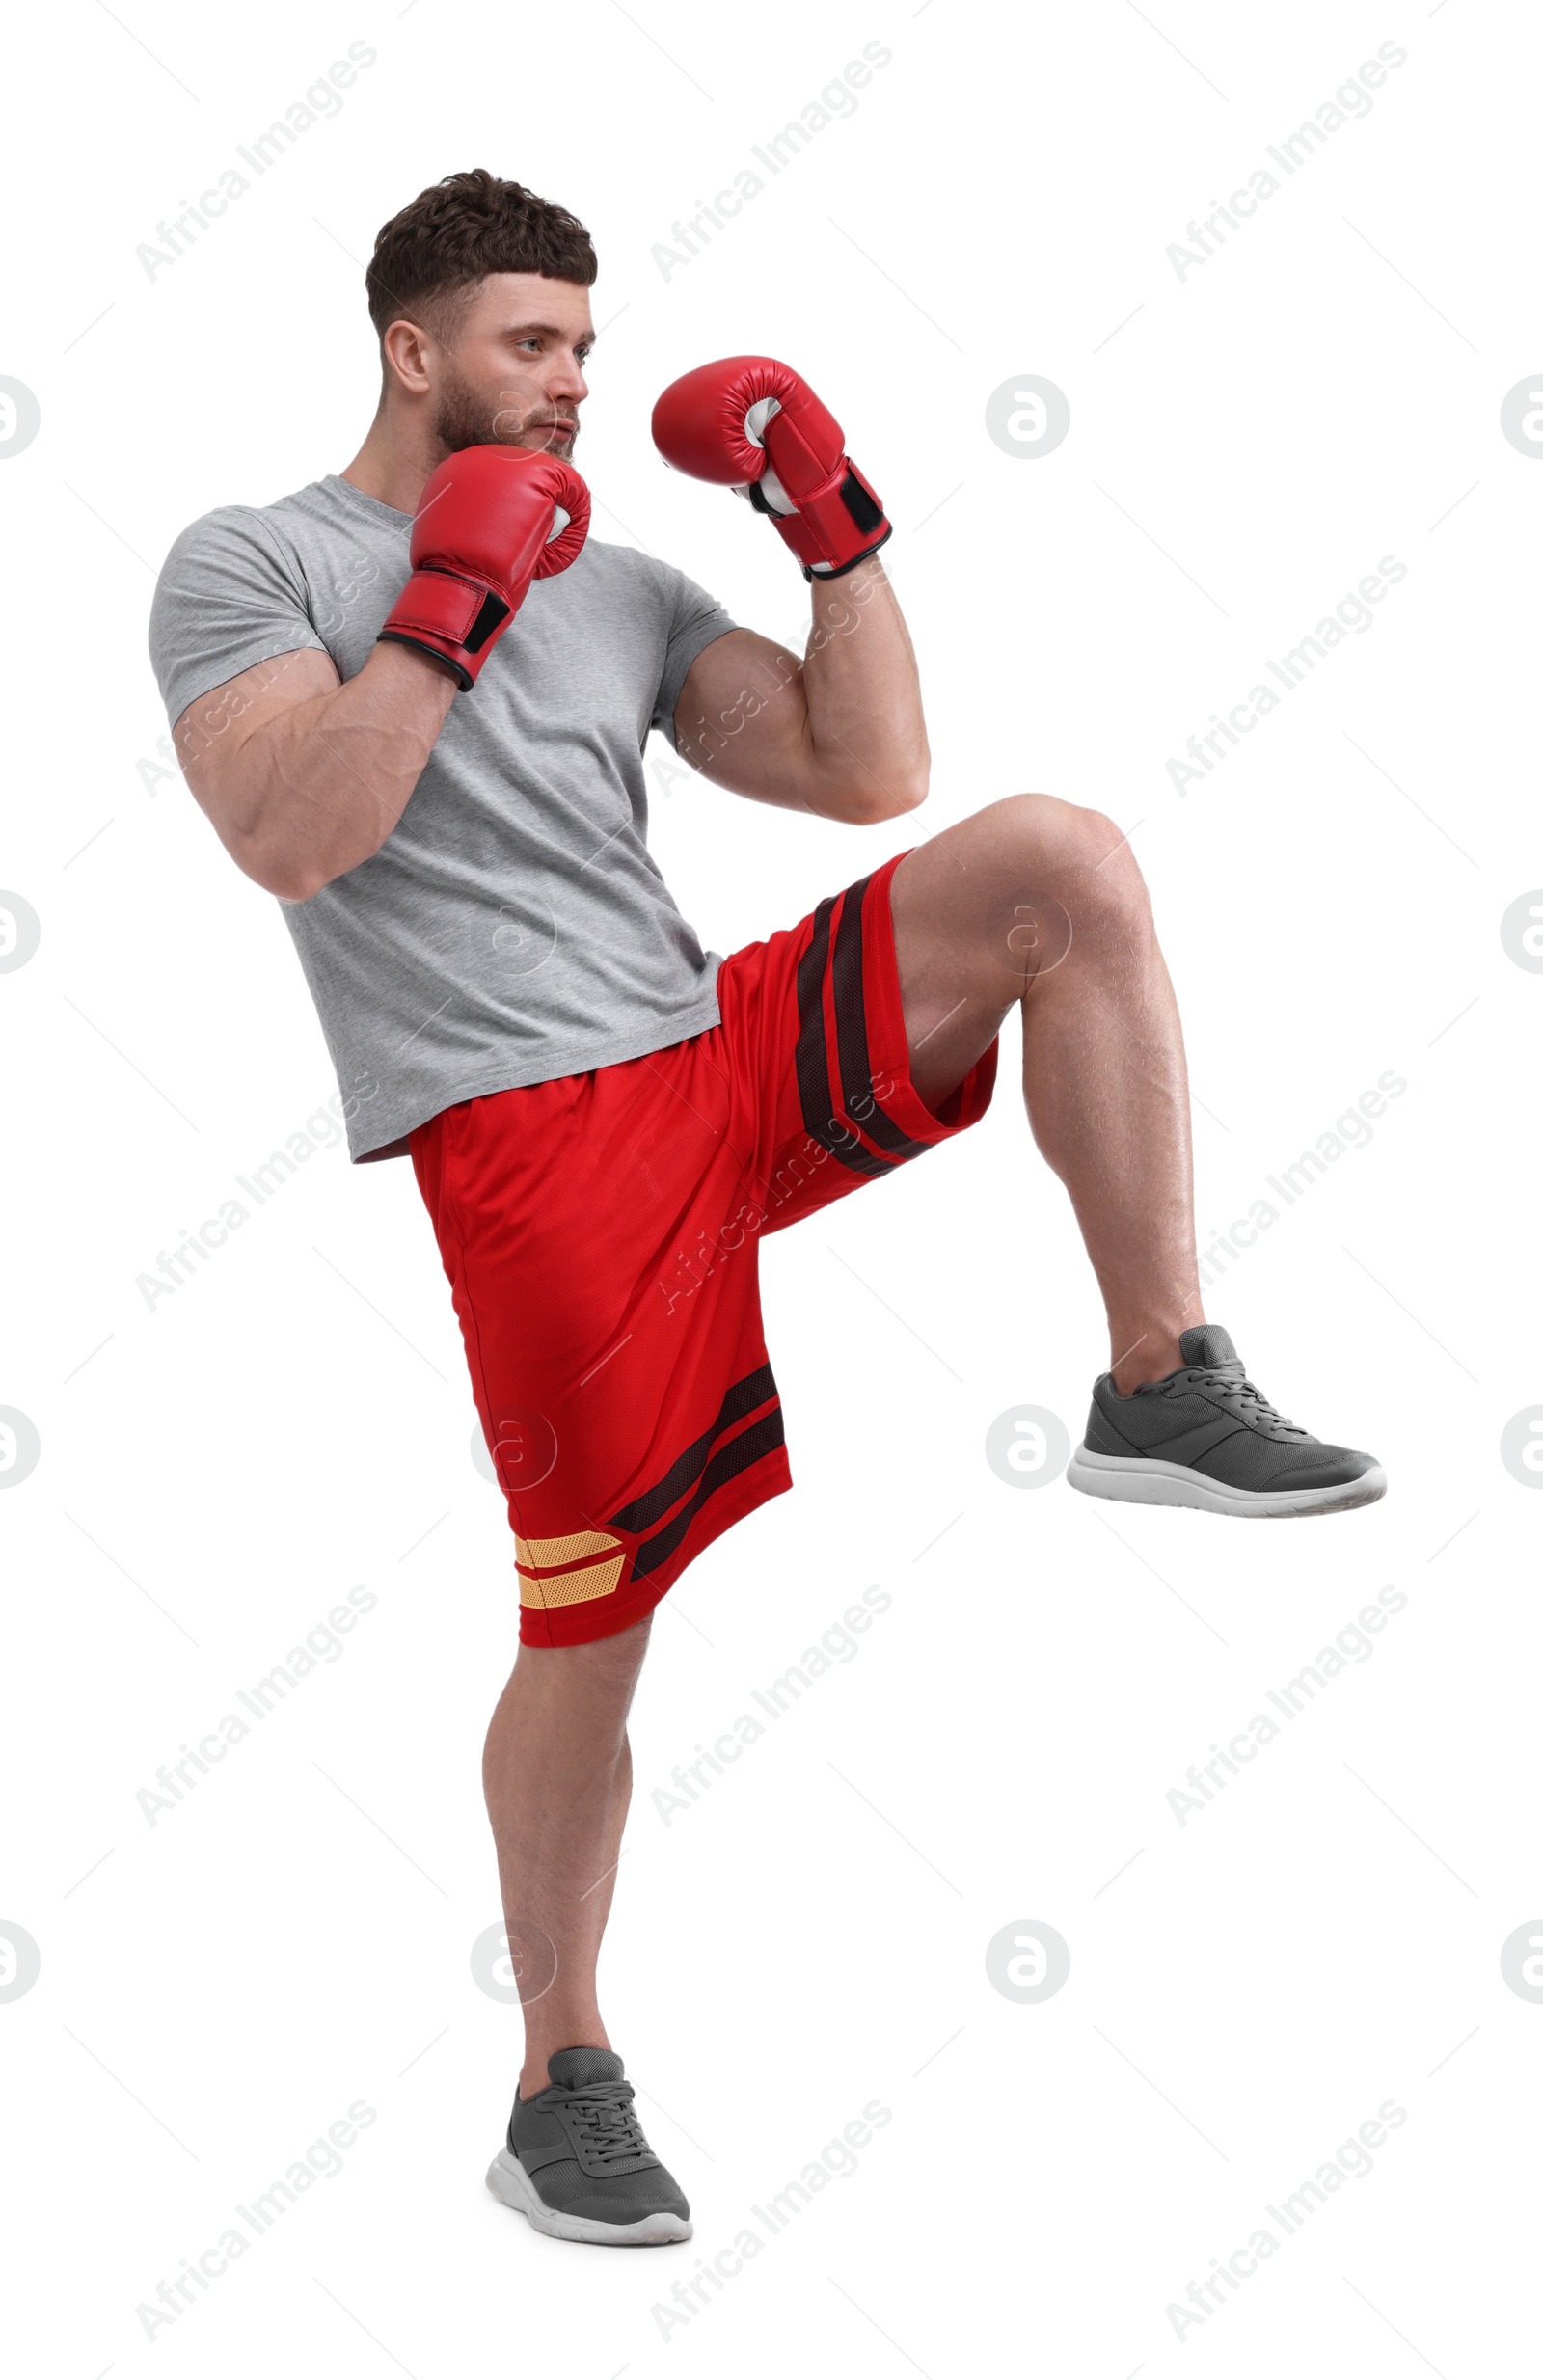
(551, 1553)
(571, 1586)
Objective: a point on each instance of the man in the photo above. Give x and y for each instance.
(413, 701)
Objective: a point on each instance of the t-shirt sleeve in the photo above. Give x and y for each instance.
(228, 597)
(697, 618)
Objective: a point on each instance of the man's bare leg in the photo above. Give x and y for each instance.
(557, 1775)
(1036, 902)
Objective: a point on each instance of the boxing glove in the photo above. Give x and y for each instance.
(489, 520)
(752, 424)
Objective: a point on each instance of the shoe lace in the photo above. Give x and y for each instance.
(603, 2113)
(1249, 1401)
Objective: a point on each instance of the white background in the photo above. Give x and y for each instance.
(1246, 444)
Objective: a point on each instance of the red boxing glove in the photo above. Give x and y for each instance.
(489, 520)
(752, 424)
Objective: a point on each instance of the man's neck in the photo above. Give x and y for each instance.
(392, 467)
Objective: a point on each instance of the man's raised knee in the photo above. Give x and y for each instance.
(1048, 837)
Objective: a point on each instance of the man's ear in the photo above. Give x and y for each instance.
(404, 354)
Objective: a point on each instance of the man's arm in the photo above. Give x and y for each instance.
(841, 733)
(303, 777)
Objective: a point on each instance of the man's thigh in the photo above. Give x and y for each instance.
(612, 1326)
(829, 1059)
(981, 913)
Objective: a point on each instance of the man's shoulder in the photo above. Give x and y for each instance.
(606, 573)
(280, 526)
(625, 562)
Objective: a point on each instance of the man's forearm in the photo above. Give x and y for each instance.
(866, 731)
(315, 789)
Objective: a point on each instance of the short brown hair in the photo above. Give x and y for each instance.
(429, 257)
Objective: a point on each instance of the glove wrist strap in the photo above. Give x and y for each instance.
(456, 618)
(835, 527)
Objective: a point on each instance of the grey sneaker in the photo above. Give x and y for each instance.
(576, 2162)
(1205, 1436)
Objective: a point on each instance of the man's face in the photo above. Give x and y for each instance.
(513, 371)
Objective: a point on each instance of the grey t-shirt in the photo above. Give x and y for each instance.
(513, 926)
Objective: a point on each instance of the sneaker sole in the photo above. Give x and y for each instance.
(1146, 1481)
(511, 2185)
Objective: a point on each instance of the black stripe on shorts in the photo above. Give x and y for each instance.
(858, 1094)
(812, 1060)
(743, 1397)
(762, 1438)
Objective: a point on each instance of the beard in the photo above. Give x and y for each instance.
(507, 417)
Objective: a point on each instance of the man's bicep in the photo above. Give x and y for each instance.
(741, 718)
(210, 733)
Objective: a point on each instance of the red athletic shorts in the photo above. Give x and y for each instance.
(600, 1235)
